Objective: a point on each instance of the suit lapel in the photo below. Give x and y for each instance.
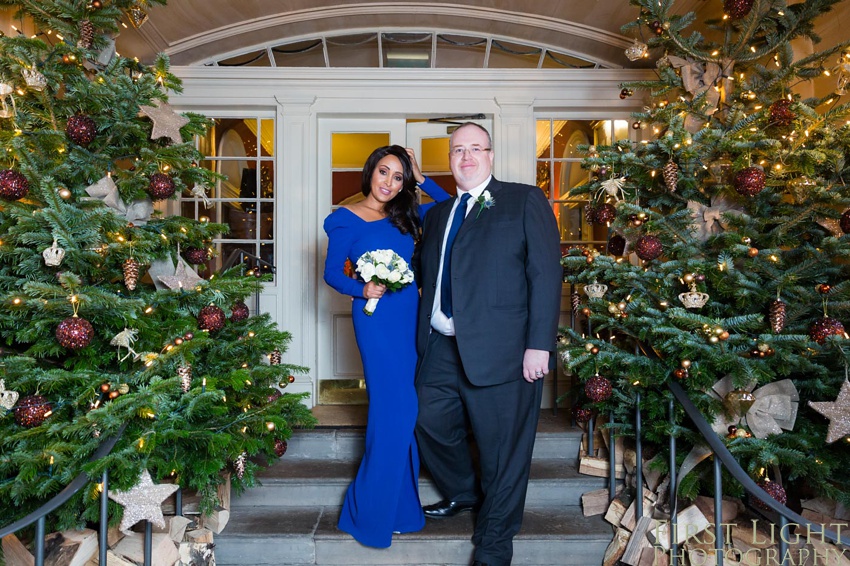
(476, 213)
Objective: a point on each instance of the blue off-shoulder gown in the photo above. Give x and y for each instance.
(384, 496)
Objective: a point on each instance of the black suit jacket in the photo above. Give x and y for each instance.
(506, 281)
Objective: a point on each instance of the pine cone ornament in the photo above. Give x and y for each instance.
(825, 327)
(781, 114)
(211, 318)
(776, 315)
(161, 186)
(616, 245)
(131, 273)
(750, 181)
(239, 465)
(605, 213)
(74, 333)
(32, 411)
(81, 129)
(844, 222)
(86, 34)
(671, 175)
(575, 301)
(13, 185)
(184, 371)
(774, 490)
(279, 447)
(239, 311)
(598, 388)
(196, 256)
(590, 214)
(648, 247)
(737, 9)
(275, 358)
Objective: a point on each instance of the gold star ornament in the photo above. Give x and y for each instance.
(838, 413)
(184, 277)
(166, 122)
(143, 502)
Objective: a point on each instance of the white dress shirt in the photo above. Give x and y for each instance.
(439, 321)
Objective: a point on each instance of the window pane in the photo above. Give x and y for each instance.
(346, 187)
(505, 55)
(306, 53)
(544, 138)
(350, 151)
(554, 60)
(253, 59)
(460, 51)
(435, 155)
(360, 50)
(406, 50)
(267, 137)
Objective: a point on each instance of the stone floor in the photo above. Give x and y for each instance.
(343, 416)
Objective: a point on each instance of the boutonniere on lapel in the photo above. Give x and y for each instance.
(485, 201)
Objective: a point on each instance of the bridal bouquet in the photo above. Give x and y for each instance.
(385, 267)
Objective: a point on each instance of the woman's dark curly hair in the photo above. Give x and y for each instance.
(403, 210)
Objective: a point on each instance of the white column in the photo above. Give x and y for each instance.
(295, 241)
(514, 137)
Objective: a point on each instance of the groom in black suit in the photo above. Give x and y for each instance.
(488, 318)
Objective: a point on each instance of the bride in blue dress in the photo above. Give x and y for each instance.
(384, 496)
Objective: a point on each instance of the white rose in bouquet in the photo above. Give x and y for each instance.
(385, 267)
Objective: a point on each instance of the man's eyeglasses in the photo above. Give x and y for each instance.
(473, 151)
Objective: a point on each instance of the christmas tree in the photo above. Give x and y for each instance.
(103, 333)
(726, 263)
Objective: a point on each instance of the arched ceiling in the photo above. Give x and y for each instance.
(194, 31)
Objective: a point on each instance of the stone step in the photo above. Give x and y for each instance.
(308, 536)
(302, 482)
(348, 444)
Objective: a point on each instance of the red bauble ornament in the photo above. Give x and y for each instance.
(274, 395)
(196, 256)
(161, 186)
(825, 327)
(13, 185)
(32, 410)
(774, 490)
(211, 318)
(737, 9)
(616, 245)
(648, 247)
(81, 129)
(582, 414)
(844, 223)
(605, 213)
(750, 181)
(780, 113)
(279, 447)
(598, 388)
(74, 333)
(239, 311)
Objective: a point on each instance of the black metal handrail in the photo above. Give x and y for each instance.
(39, 515)
(722, 457)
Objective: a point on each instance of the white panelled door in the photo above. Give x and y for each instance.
(343, 146)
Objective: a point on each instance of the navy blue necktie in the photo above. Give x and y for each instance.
(446, 281)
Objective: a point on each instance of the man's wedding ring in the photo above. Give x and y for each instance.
(538, 373)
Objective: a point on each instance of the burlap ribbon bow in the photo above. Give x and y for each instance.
(709, 220)
(138, 211)
(699, 78)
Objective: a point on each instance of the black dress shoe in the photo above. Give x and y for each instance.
(446, 508)
(478, 563)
